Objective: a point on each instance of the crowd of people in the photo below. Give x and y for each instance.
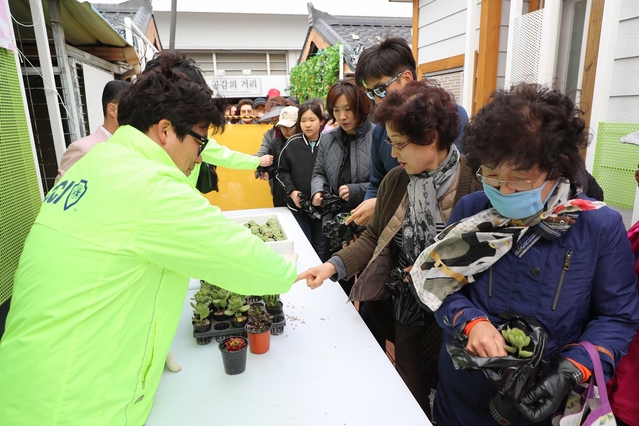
(460, 222)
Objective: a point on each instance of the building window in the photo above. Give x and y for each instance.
(234, 64)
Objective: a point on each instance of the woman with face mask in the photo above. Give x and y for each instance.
(539, 248)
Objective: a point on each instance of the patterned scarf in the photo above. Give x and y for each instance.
(423, 213)
(468, 247)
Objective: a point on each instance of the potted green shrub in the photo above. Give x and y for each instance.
(273, 303)
(236, 310)
(233, 350)
(201, 321)
(258, 329)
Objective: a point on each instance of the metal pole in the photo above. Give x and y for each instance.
(341, 61)
(172, 25)
(66, 78)
(42, 43)
(467, 99)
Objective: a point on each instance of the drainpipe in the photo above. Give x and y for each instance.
(172, 25)
(66, 79)
(42, 42)
(468, 98)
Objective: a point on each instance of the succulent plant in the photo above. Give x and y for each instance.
(271, 299)
(234, 344)
(219, 297)
(236, 306)
(270, 231)
(258, 320)
(201, 312)
(518, 341)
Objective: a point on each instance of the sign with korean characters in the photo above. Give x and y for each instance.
(234, 87)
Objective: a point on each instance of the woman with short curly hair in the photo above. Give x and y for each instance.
(414, 202)
(530, 243)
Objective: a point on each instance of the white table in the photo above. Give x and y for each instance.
(325, 369)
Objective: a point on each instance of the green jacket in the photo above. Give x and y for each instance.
(220, 155)
(102, 280)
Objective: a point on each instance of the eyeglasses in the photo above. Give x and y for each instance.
(380, 91)
(517, 185)
(397, 146)
(203, 140)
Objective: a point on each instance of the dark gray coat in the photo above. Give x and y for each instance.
(329, 159)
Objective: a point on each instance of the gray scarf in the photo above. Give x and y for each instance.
(423, 213)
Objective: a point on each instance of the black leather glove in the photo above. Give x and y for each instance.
(543, 399)
(503, 409)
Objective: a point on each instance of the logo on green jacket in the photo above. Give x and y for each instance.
(73, 191)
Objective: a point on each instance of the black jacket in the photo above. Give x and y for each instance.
(295, 166)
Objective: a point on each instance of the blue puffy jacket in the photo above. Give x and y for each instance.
(588, 271)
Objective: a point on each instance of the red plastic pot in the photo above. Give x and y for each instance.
(259, 343)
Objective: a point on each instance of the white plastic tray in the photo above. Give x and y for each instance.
(282, 247)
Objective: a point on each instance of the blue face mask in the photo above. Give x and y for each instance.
(518, 205)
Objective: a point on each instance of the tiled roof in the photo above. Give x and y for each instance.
(140, 12)
(357, 33)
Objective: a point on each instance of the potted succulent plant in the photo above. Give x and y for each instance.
(219, 297)
(203, 296)
(273, 303)
(201, 321)
(258, 329)
(233, 350)
(236, 310)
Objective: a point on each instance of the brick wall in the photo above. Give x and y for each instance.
(451, 81)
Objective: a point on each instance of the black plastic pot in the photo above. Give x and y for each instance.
(234, 362)
(217, 316)
(238, 324)
(254, 299)
(276, 309)
(201, 328)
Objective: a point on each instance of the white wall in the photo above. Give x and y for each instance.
(94, 81)
(289, 7)
(623, 105)
(442, 29)
(239, 33)
(220, 31)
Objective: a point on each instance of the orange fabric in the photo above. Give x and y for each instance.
(471, 324)
(457, 315)
(585, 373)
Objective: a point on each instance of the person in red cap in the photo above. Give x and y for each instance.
(273, 93)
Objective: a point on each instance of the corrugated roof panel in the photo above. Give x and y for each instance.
(82, 23)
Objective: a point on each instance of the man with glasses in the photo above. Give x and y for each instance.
(204, 176)
(102, 279)
(383, 68)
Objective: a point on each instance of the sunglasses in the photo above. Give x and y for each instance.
(203, 140)
(380, 91)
